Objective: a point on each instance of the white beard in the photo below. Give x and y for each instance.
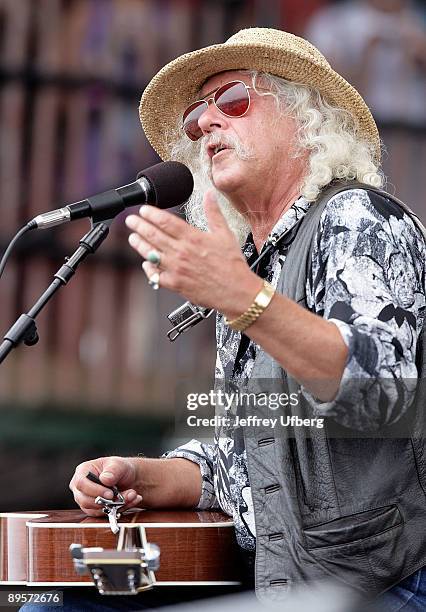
(194, 155)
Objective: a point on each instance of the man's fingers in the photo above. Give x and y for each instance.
(170, 225)
(150, 234)
(86, 499)
(215, 218)
(166, 278)
(113, 472)
(132, 498)
(81, 482)
(93, 490)
(87, 504)
(143, 249)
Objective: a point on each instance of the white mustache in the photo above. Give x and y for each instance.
(231, 141)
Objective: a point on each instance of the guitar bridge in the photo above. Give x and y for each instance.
(127, 570)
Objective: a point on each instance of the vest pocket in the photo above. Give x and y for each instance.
(353, 528)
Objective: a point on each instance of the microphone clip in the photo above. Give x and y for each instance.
(185, 317)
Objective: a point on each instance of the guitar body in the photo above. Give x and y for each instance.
(196, 548)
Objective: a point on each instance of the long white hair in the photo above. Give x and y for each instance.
(330, 134)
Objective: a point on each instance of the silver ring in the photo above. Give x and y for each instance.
(154, 257)
(154, 281)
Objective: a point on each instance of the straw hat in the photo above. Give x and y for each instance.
(178, 84)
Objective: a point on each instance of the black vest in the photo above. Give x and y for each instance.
(332, 503)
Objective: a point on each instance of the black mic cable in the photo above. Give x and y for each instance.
(26, 228)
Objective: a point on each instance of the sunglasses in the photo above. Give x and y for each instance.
(231, 99)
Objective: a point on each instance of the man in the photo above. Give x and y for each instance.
(267, 127)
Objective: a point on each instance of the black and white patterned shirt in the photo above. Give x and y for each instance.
(368, 278)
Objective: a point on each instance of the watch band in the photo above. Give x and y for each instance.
(253, 312)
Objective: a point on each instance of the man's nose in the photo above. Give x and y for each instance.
(211, 118)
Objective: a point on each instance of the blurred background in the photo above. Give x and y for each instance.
(103, 378)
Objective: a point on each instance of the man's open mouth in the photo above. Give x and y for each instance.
(213, 150)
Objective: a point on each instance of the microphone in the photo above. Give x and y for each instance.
(165, 185)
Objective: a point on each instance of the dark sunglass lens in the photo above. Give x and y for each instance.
(190, 120)
(232, 99)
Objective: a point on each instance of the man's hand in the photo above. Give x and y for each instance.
(111, 471)
(206, 268)
(157, 483)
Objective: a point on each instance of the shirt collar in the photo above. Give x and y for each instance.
(288, 219)
(284, 224)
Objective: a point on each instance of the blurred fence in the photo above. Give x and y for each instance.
(72, 73)
(71, 76)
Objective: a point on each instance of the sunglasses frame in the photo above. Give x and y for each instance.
(207, 100)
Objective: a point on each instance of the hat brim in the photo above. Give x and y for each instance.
(176, 85)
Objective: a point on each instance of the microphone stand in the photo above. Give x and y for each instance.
(25, 329)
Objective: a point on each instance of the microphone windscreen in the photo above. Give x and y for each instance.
(171, 181)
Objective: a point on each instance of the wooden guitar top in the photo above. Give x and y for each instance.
(196, 546)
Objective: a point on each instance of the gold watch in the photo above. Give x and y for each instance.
(253, 312)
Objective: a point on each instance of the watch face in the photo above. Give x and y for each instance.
(264, 296)
(262, 301)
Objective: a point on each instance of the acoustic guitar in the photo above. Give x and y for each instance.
(195, 548)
